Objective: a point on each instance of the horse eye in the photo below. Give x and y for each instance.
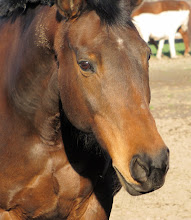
(149, 56)
(85, 66)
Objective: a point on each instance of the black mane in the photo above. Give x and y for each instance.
(7, 7)
(110, 11)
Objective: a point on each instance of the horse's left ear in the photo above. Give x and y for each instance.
(135, 3)
(70, 8)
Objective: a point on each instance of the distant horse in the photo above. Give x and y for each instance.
(74, 110)
(161, 20)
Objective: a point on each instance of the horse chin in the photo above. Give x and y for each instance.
(132, 189)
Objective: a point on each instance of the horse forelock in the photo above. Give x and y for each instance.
(109, 11)
(112, 11)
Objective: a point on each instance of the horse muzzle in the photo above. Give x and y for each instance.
(149, 173)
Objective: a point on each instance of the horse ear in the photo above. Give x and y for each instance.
(135, 3)
(70, 8)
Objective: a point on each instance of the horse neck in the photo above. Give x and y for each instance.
(34, 93)
(33, 85)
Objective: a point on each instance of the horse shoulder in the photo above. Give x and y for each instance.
(46, 175)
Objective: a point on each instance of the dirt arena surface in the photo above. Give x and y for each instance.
(170, 81)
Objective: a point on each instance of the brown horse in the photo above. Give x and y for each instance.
(74, 110)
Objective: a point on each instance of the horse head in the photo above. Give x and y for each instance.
(104, 89)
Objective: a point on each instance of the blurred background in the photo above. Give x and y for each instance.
(170, 83)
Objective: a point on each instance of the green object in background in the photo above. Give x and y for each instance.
(178, 45)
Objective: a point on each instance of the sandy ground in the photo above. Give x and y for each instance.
(170, 81)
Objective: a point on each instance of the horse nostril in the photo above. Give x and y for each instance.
(165, 160)
(139, 170)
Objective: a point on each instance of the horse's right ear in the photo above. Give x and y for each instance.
(135, 3)
(70, 8)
